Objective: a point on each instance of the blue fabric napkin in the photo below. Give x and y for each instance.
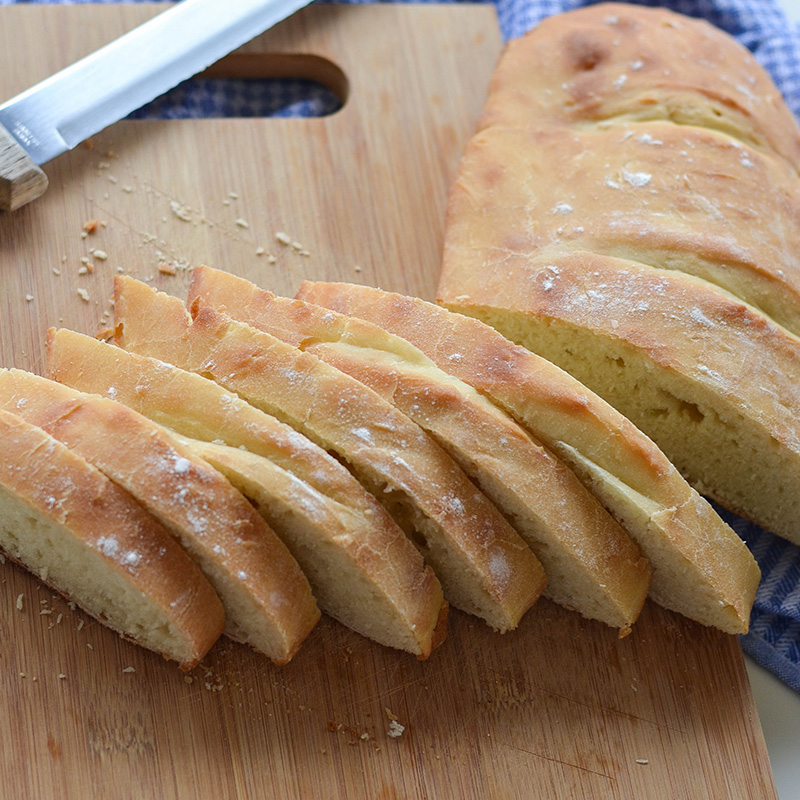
(760, 25)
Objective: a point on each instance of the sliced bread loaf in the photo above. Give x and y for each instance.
(91, 541)
(700, 566)
(362, 568)
(591, 564)
(267, 599)
(484, 566)
(611, 215)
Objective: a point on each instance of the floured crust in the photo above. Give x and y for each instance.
(199, 408)
(60, 489)
(591, 564)
(713, 353)
(619, 463)
(660, 194)
(615, 61)
(267, 598)
(496, 577)
(317, 507)
(363, 569)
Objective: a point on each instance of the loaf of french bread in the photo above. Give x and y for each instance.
(612, 215)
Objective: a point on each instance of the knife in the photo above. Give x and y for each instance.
(67, 108)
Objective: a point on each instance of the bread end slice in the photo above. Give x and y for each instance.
(88, 539)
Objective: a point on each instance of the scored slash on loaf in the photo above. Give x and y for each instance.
(630, 210)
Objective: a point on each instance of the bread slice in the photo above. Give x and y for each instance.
(618, 62)
(700, 566)
(267, 599)
(89, 540)
(484, 566)
(362, 568)
(591, 564)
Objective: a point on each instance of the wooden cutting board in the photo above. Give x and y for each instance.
(560, 708)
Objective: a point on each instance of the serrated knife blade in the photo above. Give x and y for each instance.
(67, 108)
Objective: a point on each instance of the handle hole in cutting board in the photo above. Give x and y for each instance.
(256, 85)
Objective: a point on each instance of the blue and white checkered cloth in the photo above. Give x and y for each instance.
(760, 25)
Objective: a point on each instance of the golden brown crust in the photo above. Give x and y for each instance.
(574, 537)
(566, 415)
(538, 394)
(58, 485)
(364, 570)
(660, 194)
(299, 486)
(618, 61)
(461, 526)
(239, 553)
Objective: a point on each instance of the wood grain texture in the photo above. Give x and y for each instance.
(561, 704)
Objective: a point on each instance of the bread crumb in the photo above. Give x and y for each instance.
(61, 676)
(83, 294)
(188, 679)
(56, 271)
(29, 297)
(181, 212)
(80, 624)
(90, 645)
(389, 714)
(260, 251)
(100, 255)
(395, 729)
(242, 223)
(167, 269)
(90, 226)
(283, 238)
(104, 334)
(20, 602)
(642, 761)
(129, 669)
(233, 195)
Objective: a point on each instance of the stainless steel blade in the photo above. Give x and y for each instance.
(72, 105)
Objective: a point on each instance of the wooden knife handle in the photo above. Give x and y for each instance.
(20, 179)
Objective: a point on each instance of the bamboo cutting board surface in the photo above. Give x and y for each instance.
(560, 708)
